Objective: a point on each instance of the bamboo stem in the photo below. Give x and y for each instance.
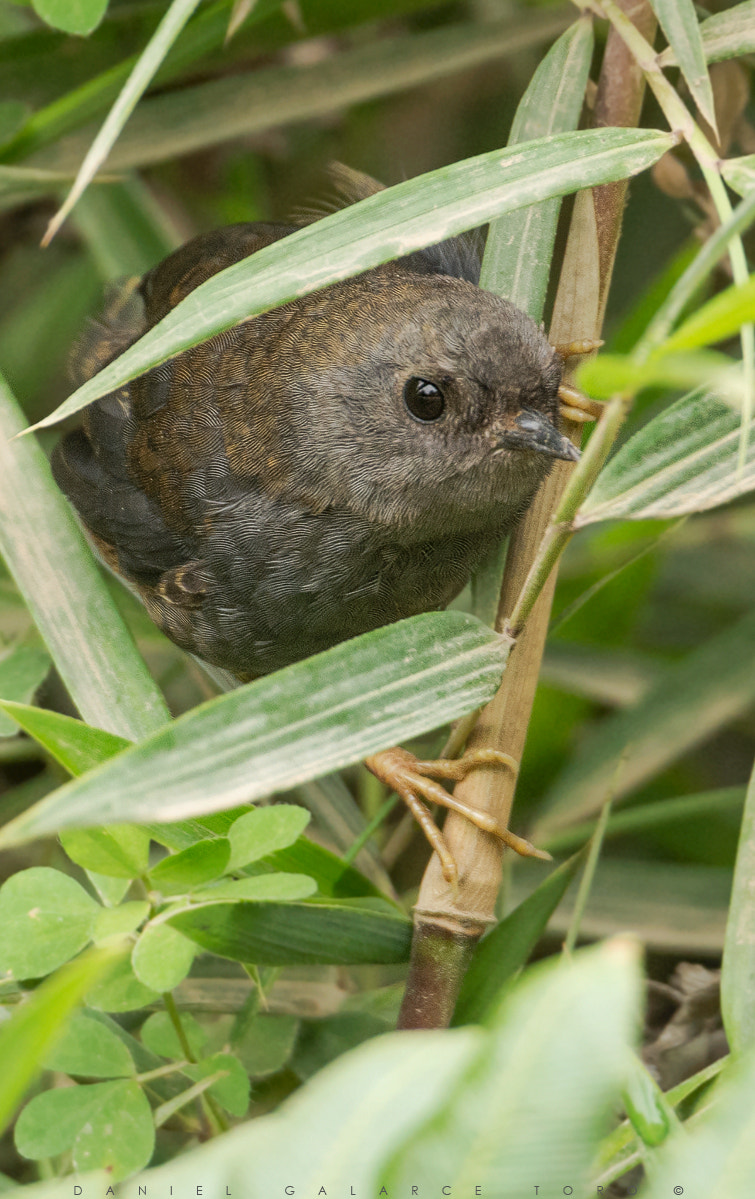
(448, 922)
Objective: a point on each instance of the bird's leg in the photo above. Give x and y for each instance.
(412, 778)
(575, 405)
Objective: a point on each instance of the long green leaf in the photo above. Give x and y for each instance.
(691, 701)
(727, 34)
(685, 460)
(717, 1160)
(506, 949)
(738, 970)
(77, 746)
(147, 64)
(460, 1109)
(181, 121)
(678, 20)
(672, 907)
(291, 934)
(393, 222)
(28, 1036)
(304, 721)
(720, 318)
(65, 593)
(519, 245)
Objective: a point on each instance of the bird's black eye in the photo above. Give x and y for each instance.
(424, 400)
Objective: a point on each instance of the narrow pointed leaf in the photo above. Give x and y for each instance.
(727, 34)
(30, 1033)
(58, 578)
(684, 460)
(309, 719)
(738, 969)
(145, 67)
(678, 20)
(396, 221)
(694, 698)
(275, 934)
(506, 949)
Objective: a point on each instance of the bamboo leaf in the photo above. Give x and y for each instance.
(183, 120)
(519, 245)
(147, 64)
(727, 34)
(678, 21)
(720, 1155)
(738, 969)
(505, 950)
(718, 319)
(693, 699)
(35, 1027)
(304, 721)
(65, 593)
(77, 746)
(684, 460)
(285, 934)
(417, 213)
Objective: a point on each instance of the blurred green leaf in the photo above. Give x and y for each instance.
(672, 907)
(306, 720)
(738, 968)
(145, 67)
(184, 871)
(718, 1159)
(333, 877)
(118, 851)
(159, 1035)
(91, 1050)
(262, 889)
(23, 669)
(77, 746)
(393, 222)
(119, 920)
(182, 120)
(162, 957)
(693, 699)
(108, 1125)
(459, 1109)
(72, 16)
(66, 595)
(33, 1029)
(264, 831)
(119, 990)
(739, 173)
(231, 1092)
(684, 460)
(505, 950)
(678, 20)
(720, 318)
(519, 245)
(298, 933)
(45, 919)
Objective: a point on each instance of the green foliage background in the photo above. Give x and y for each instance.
(239, 951)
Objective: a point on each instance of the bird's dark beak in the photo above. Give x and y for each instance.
(533, 431)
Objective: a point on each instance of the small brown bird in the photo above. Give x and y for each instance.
(341, 462)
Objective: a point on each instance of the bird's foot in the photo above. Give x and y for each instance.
(413, 780)
(575, 405)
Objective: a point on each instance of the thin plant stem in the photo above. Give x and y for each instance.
(359, 842)
(212, 1113)
(561, 527)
